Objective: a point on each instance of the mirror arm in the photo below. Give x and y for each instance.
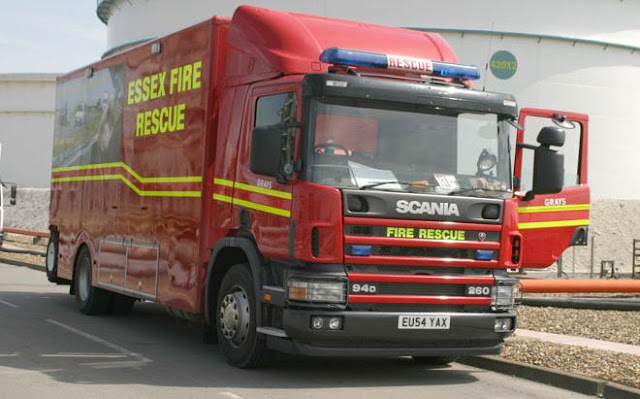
(529, 196)
(527, 146)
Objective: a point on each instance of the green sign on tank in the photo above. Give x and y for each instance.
(503, 64)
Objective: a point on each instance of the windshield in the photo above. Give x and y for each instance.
(435, 151)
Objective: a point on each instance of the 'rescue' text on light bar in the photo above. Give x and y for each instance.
(365, 59)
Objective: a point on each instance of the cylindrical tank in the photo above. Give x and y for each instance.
(573, 55)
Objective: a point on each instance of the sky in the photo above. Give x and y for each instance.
(52, 36)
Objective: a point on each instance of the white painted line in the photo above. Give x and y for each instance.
(99, 340)
(14, 354)
(9, 304)
(231, 395)
(87, 355)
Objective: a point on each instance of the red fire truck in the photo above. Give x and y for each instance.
(307, 185)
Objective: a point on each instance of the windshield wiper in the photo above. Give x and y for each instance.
(470, 189)
(381, 183)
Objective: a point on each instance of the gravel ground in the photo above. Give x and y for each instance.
(610, 366)
(31, 211)
(605, 325)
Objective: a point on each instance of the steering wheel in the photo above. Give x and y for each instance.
(330, 148)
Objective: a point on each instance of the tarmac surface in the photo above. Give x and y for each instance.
(48, 349)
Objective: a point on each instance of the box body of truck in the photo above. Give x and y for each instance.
(245, 172)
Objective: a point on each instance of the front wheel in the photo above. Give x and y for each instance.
(90, 300)
(236, 320)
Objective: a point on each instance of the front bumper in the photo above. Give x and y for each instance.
(377, 334)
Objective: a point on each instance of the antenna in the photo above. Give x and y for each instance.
(486, 64)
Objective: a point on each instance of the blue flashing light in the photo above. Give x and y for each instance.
(422, 66)
(455, 71)
(361, 250)
(485, 254)
(365, 59)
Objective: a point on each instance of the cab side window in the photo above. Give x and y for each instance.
(275, 115)
(275, 109)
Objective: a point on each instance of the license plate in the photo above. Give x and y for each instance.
(422, 321)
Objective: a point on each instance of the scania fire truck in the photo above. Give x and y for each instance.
(307, 185)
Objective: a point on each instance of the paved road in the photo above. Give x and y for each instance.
(49, 350)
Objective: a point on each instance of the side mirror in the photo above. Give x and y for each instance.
(266, 150)
(548, 171)
(551, 135)
(548, 164)
(13, 194)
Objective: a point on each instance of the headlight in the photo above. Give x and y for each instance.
(504, 296)
(312, 290)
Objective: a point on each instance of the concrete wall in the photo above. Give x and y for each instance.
(26, 128)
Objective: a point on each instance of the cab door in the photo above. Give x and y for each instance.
(262, 203)
(551, 223)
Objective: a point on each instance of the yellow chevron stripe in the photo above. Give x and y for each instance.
(553, 223)
(253, 205)
(166, 179)
(263, 190)
(223, 198)
(554, 208)
(223, 182)
(142, 193)
(253, 188)
(262, 208)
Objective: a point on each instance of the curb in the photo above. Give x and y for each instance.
(16, 250)
(560, 379)
(22, 264)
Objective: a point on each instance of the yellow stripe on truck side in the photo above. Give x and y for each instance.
(554, 208)
(553, 223)
(165, 179)
(128, 183)
(250, 204)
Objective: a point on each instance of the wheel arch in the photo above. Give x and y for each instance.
(228, 252)
(82, 241)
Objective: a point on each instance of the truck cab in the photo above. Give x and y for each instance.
(378, 189)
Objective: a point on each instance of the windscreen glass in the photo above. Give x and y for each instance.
(438, 151)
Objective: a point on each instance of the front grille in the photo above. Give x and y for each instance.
(423, 270)
(420, 289)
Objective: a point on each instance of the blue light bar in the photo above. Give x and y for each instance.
(361, 250)
(423, 66)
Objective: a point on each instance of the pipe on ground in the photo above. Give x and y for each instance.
(550, 286)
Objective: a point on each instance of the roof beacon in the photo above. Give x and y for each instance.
(423, 66)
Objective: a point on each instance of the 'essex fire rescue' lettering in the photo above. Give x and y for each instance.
(426, 234)
(170, 118)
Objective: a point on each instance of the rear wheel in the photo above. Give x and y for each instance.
(51, 261)
(90, 300)
(236, 322)
(435, 360)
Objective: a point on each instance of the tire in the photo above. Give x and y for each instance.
(121, 304)
(435, 360)
(236, 306)
(51, 261)
(90, 300)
